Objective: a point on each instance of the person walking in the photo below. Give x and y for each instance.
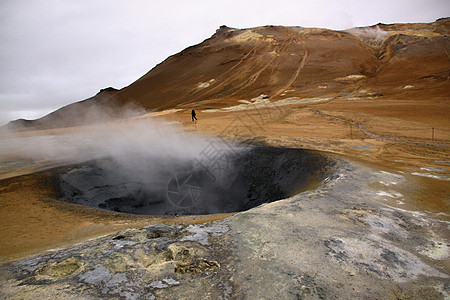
(193, 116)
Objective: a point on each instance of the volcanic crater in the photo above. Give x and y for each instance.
(245, 179)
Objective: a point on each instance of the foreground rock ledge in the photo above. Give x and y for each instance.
(334, 241)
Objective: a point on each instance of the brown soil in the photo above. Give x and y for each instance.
(33, 220)
(385, 117)
(401, 144)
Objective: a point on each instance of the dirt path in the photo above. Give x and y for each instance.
(297, 72)
(253, 77)
(217, 84)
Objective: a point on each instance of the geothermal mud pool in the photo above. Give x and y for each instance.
(335, 241)
(235, 181)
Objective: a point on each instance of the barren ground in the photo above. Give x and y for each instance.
(399, 139)
(399, 176)
(377, 228)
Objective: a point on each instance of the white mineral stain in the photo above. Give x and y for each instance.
(432, 169)
(438, 251)
(201, 234)
(391, 194)
(431, 176)
(158, 285)
(262, 102)
(96, 276)
(171, 281)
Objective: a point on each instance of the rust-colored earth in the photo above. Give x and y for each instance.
(379, 99)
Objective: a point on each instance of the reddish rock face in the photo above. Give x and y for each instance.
(409, 61)
(242, 64)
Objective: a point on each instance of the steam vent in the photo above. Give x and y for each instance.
(245, 179)
(317, 165)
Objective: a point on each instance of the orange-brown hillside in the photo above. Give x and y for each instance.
(404, 61)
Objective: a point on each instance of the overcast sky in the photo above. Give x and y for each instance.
(55, 52)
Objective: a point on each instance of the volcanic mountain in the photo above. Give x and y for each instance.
(396, 61)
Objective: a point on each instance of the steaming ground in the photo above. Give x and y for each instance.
(235, 181)
(375, 229)
(364, 233)
(144, 166)
(334, 241)
(136, 146)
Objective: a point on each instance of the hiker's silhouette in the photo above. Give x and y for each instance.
(193, 115)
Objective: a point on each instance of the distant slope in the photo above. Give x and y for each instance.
(398, 60)
(77, 113)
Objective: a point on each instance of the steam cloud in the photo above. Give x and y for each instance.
(374, 35)
(129, 141)
(142, 151)
(145, 166)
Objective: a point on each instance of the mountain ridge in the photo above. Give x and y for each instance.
(281, 62)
